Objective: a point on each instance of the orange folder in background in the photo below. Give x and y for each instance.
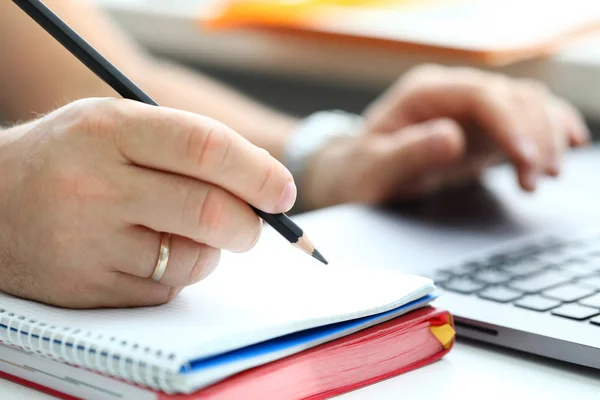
(492, 32)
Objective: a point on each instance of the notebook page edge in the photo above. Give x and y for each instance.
(270, 332)
(195, 381)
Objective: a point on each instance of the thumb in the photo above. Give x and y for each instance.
(408, 155)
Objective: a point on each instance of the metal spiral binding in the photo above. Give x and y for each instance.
(79, 348)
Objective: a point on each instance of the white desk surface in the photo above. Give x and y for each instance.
(170, 28)
(469, 371)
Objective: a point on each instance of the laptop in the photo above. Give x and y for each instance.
(517, 270)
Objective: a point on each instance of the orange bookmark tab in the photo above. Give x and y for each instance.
(444, 333)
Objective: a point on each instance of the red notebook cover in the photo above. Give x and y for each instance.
(389, 349)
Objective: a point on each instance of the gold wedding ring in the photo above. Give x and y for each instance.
(163, 257)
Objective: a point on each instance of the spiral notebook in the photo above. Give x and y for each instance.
(388, 349)
(252, 298)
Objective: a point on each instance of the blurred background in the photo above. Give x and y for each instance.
(309, 55)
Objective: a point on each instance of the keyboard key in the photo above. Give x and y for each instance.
(525, 267)
(576, 268)
(536, 283)
(492, 277)
(568, 293)
(497, 260)
(592, 281)
(575, 311)
(595, 320)
(531, 250)
(556, 258)
(462, 270)
(593, 261)
(585, 248)
(439, 275)
(592, 301)
(537, 303)
(462, 285)
(499, 294)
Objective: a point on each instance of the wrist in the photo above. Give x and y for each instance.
(310, 145)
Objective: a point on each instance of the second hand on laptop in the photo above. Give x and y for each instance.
(106, 71)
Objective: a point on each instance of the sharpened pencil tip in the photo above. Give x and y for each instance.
(306, 246)
(319, 256)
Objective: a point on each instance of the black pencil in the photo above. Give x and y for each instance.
(106, 71)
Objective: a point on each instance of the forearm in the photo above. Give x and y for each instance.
(38, 75)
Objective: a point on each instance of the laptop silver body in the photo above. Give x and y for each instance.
(491, 221)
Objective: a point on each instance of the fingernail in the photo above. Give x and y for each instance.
(288, 197)
(211, 264)
(528, 151)
(530, 179)
(173, 292)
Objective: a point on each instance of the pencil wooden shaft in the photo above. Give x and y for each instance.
(110, 74)
(282, 224)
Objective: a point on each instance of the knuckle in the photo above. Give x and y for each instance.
(490, 97)
(98, 122)
(420, 76)
(97, 118)
(532, 87)
(267, 175)
(207, 147)
(425, 71)
(446, 125)
(211, 212)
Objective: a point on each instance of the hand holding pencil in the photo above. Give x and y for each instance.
(123, 203)
(106, 71)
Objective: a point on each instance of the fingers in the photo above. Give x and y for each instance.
(528, 124)
(574, 122)
(552, 123)
(542, 128)
(127, 290)
(514, 126)
(183, 206)
(189, 262)
(415, 151)
(122, 278)
(198, 147)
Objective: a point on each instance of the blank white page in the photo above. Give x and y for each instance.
(272, 290)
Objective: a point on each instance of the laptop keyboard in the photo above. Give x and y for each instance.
(554, 276)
